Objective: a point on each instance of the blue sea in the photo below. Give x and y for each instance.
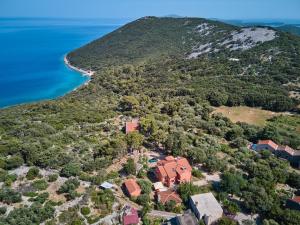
(32, 52)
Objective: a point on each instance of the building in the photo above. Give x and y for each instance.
(106, 185)
(130, 216)
(169, 195)
(132, 188)
(158, 186)
(285, 152)
(172, 171)
(288, 153)
(188, 218)
(294, 203)
(206, 207)
(266, 145)
(132, 126)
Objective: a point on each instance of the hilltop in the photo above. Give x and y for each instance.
(224, 64)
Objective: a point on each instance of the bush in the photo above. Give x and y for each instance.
(32, 173)
(197, 173)
(146, 186)
(10, 196)
(52, 177)
(71, 169)
(69, 186)
(130, 167)
(40, 185)
(14, 162)
(3, 210)
(85, 210)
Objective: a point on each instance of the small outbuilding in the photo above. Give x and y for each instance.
(106, 185)
(130, 216)
(169, 195)
(132, 188)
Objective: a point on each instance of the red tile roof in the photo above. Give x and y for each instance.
(287, 149)
(131, 217)
(268, 142)
(166, 196)
(132, 126)
(296, 199)
(172, 166)
(132, 187)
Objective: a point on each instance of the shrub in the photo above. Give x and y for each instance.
(85, 210)
(197, 173)
(32, 173)
(3, 210)
(10, 196)
(71, 169)
(52, 177)
(40, 185)
(68, 186)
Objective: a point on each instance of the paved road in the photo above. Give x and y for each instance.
(163, 214)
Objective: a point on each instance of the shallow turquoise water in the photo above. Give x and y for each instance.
(31, 57)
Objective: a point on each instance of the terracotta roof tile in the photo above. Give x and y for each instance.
(268, 142)
(296, 199)
(132, 126)
(168, 195)
(132, 186)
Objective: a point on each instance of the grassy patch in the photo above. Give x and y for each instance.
(245, 114)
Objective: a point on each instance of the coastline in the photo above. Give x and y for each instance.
(82, 71)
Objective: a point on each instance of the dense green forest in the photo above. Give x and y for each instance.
(143, 70)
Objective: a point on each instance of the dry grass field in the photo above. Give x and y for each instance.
(246, 114)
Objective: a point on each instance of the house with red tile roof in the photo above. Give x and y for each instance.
(294, 203)
(290, 154)
(266, 145)
(132, 126)
(285, 152)
(132, 188)
(130, 216)
(172, 171)
(169, 195)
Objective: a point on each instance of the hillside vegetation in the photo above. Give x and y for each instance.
(145, 69)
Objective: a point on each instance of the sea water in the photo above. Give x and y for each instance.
(32, 52)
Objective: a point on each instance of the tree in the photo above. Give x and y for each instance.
(217, 98)
(213, 164)
(146, 186)
(70, 169)
(130, 167)
(129, 103)
(257, 200)
(226, 221)
(143, 199)
(186, 190)
(32, 173)
(270, 222)
(232, 183)
(134, 140)
(9, 196)
(148, 125)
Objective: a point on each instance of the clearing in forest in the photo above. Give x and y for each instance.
(246, 114)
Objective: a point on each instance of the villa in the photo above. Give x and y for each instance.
(171, 171)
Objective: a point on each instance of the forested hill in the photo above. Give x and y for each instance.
(167, 72)
(221, 63)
